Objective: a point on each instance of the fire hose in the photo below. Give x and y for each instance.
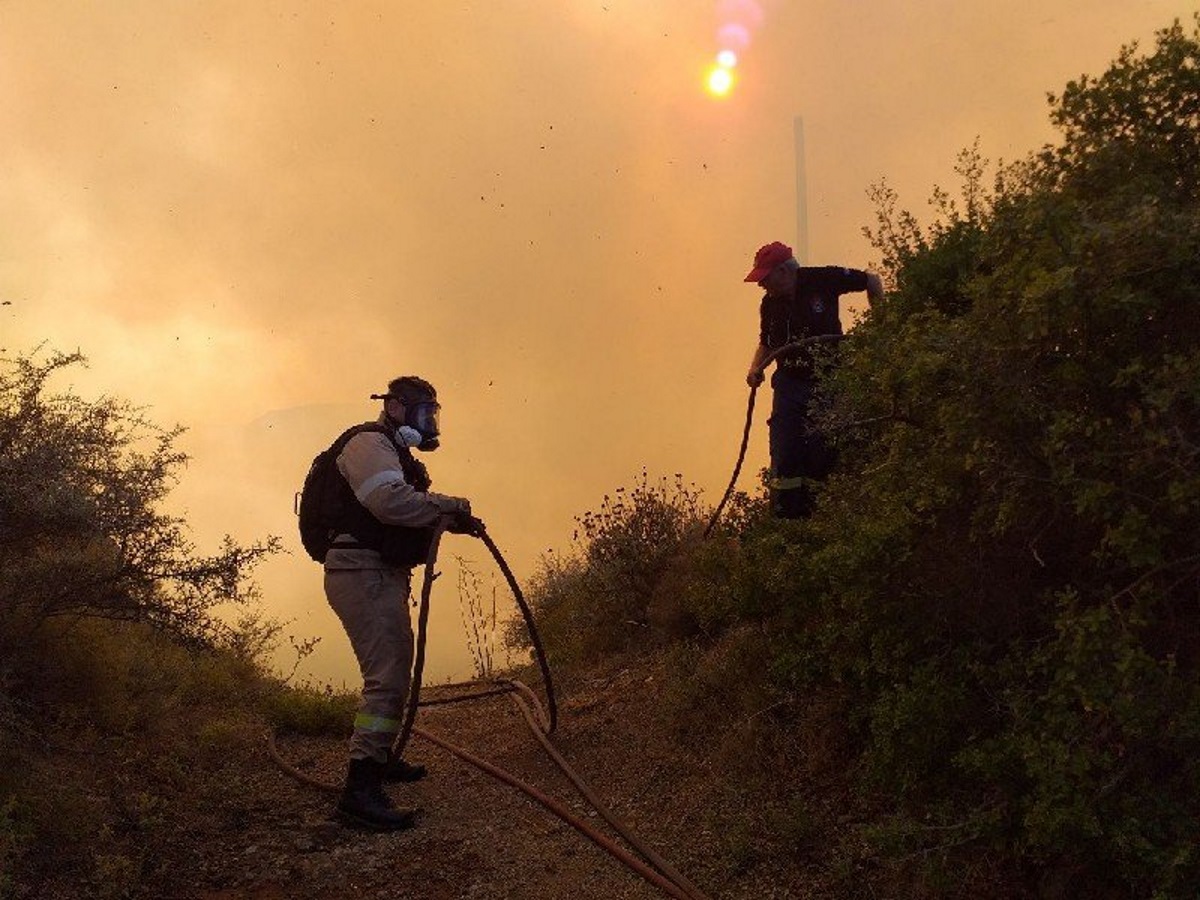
(414, 693)
(654, 869)
(766, 361)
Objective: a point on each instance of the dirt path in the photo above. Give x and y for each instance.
(479, 838)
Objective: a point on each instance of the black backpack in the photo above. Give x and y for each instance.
(327, 507)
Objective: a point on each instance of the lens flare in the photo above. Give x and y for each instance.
(736, 21)
(748, 12)
(733, 36)
(720, 81)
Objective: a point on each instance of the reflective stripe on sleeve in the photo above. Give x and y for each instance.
(387, 476)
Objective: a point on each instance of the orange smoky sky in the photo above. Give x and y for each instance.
(250, 216)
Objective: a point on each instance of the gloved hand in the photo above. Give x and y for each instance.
(461, 520)
(465, 523)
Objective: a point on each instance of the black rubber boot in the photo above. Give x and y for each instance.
(397, 770)
(364, 803)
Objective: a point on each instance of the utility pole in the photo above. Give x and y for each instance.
(801, 197)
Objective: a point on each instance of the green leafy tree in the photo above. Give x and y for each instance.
(1010, 553)
(996, 605)
(126, 658)
(80, 530)
(999, 593)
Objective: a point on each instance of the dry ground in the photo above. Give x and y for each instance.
(479, 838)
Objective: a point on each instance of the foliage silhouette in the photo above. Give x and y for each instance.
(997, 601)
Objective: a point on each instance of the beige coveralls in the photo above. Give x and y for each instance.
(371, 597)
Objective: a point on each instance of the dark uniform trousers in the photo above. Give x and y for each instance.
(799, 454)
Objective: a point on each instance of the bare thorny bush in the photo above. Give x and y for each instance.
(478, 617)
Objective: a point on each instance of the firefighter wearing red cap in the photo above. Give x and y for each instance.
(800, 302)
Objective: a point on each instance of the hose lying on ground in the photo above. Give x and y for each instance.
(658, 872)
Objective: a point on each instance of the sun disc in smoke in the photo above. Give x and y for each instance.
(720, 81)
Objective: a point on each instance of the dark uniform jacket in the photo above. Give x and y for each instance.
(812, 310)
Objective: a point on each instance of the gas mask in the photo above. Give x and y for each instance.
(420, 428)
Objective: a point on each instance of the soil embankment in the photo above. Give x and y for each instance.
(478, 838)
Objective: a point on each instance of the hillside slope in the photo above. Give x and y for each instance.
(273, 837)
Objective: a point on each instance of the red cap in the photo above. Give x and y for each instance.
(767, 258)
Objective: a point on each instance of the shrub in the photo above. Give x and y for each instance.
(127, 723)
(1005, 568)
(122, 682)
(80, 534)
(999, 591)
(598, 597)
(310, 709)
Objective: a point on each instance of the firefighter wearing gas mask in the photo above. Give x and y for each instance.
(368, 573)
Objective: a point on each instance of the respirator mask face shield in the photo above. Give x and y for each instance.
(423, 417)
(420, 428)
